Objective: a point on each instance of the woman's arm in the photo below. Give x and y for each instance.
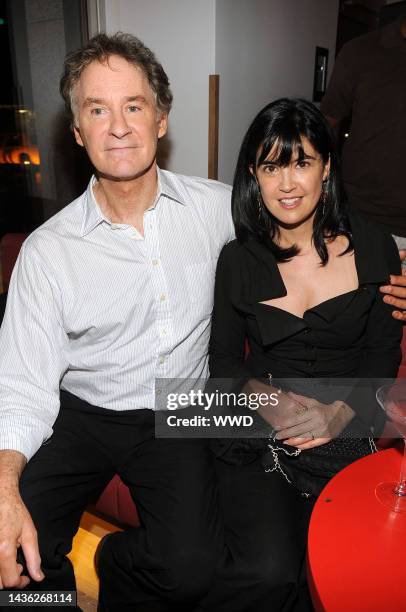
(227, 340)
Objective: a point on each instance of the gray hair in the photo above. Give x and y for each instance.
(100, 48)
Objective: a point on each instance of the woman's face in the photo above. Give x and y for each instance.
(291, 193)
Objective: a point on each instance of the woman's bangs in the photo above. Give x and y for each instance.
(283, 146)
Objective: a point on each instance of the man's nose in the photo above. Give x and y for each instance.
(287, 182)
(118, 125)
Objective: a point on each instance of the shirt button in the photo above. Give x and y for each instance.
(309, 363)
(158, 391)
(306, 331)
(155, 262)
(163, 332)
(162, 297)
(162, 360)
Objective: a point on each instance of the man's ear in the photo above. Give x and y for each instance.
(77, 135)
(162, 124)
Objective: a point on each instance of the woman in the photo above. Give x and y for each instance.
(301, 283)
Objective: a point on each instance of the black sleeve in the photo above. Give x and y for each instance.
(339, 97)
(382, 353)
(227, 352)
(227, 341)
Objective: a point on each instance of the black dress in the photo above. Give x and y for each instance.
(350, 336)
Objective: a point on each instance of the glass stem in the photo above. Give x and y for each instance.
(400, 488)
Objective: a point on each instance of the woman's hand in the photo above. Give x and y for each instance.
(396, 292)
(317, 424)
(277, 408)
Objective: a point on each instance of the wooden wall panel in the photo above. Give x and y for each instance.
(214, 81)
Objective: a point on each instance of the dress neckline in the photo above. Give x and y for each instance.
(313, 308)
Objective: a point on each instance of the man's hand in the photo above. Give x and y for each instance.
(16, 527)
(316, 425)
(395, 293)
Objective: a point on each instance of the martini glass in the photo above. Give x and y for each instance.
(392, 399)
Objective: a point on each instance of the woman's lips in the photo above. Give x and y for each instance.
(290, 203)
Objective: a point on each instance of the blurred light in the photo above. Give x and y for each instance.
(2, 21)
(346, 135)
(23, 110)
(26, 162)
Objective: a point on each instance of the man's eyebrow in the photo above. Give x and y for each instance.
(89, 101)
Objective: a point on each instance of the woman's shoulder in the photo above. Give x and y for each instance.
(233, 251)
(231, 260)
(231, 247)
(248, 252)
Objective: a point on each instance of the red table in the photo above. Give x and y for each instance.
(357, 547)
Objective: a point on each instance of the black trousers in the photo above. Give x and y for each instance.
(166, 564)
(266, 522)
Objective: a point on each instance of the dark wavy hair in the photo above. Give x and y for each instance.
(284, 123)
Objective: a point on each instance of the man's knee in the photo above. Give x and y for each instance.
(192, 573)
(184, 575)
(273, 573)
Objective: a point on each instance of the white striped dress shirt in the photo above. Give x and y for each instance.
(98, 310)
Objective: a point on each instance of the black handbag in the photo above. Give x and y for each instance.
(308, 470)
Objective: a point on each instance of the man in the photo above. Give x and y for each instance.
(368, 84)
(110, 295)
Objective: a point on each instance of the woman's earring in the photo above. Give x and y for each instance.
(323, 197)
(260, 209)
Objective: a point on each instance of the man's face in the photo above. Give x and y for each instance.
(116, 118)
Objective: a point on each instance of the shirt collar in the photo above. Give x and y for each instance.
(92, 214)
(370, 263)
(168, 186)
(266, 284)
